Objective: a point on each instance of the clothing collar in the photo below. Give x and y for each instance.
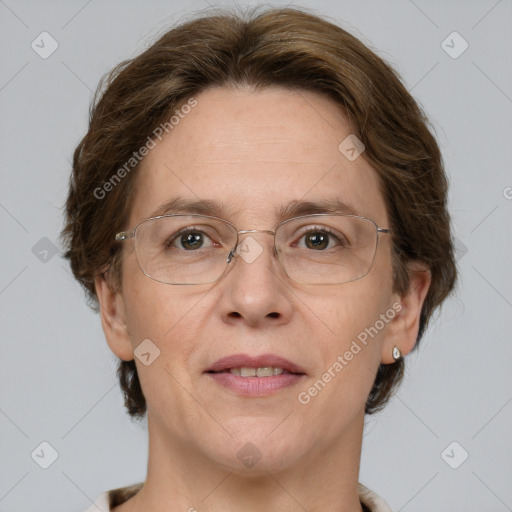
(109, 499)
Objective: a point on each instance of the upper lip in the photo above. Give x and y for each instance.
(247, 361)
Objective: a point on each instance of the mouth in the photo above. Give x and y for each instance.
(266, 365)
(262, 371)
(255, 376)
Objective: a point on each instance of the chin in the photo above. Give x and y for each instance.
(251, 462)
(258, 446)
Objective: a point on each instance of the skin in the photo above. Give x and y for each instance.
(256, 151)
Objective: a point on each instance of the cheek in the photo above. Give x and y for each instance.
(348, 310)
(356, 316)
(170, 317)
(165, 324)
(152, 308)
(350, 359)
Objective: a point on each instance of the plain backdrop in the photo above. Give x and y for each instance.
(443, 443)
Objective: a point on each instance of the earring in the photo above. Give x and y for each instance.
(396, 353)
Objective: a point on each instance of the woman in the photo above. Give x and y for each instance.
(259, 211)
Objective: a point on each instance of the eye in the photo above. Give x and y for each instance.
(321, 238)
(189, 239)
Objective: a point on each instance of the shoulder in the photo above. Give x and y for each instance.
(372, 500)
(110, 499)
(100, 504)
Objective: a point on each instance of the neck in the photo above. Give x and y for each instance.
(181, 478)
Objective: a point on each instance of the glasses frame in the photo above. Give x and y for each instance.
(126, 235)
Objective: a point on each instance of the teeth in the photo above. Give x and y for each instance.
(248, 372)
(265, 371)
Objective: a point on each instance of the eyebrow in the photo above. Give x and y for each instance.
(296, 208)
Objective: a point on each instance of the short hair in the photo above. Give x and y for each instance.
(285, 47)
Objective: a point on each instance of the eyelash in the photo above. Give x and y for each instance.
(323, 229)
(184, 231)
(316, 229)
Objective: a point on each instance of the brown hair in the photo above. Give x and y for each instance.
(278, 47)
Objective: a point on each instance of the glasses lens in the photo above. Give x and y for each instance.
(327, 249)
(184, 249)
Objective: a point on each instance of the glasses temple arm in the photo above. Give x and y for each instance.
(123, 235)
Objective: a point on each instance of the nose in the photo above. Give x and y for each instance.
(254, 288)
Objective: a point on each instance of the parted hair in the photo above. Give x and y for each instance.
(286, 47)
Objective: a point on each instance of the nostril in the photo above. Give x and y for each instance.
(274, 315)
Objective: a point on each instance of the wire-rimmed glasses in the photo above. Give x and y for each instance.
(320, 248)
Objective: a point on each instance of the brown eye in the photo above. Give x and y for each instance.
(189, 239)
(192, 241)
(317, 240)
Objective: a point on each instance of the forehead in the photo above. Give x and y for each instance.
(256, 154)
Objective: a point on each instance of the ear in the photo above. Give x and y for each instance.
(113, 319)
(403, 329)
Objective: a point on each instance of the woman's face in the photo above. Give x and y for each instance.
(255, 152)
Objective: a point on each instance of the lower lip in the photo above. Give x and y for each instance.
(256, 386)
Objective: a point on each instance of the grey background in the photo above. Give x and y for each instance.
(58, 379)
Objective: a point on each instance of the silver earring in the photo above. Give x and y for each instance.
(396, 353)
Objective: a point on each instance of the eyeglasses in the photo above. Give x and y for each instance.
(312, 249)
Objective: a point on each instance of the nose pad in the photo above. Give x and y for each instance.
(249, 249)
